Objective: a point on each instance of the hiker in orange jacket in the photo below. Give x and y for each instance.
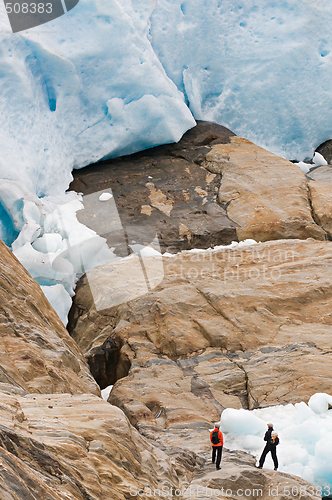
(217, 441)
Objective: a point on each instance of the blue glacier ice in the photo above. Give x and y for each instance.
(259, 67)
(85, 86)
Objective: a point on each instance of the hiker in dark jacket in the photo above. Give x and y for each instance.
(217, 441)
(272, 440)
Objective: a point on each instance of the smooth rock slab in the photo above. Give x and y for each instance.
(266, 195)
(64, 447)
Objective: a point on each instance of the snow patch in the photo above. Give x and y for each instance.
(304, 430)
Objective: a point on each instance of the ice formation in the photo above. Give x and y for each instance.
(260, 67)
(106, 392)
(305, 432)
(116, 76)
(85, 86)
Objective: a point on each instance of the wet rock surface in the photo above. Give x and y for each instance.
(167, 189)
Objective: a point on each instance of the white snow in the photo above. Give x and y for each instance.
(319, 402)
(106, 392)
(59, 299)
(305, 167)
(105, 197)
(319, 160)
(305, 433)
(217, 248)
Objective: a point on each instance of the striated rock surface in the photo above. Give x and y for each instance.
(37, 353)
(164, 189)
(267, 196)
(245, 327)
(65, 447)
(58, 439)
(209, 189)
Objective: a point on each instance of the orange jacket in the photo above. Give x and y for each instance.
(221, 438)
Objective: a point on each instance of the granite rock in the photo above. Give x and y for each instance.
(266, 195)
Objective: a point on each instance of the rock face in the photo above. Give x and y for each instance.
(237, 478)
(267, 196)
(65, 447)
(37, 354)
(209, 189)
(166, 189)
(325, 149)
(245, 327)
(58, 439)
(321, 197)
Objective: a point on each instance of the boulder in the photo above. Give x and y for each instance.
(266, 195)
(321, 200)
(325, 149)
(238, 478)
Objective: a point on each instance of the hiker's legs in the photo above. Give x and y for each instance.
(263, 456)
(274, 457)
(219, 453)
(214, 451)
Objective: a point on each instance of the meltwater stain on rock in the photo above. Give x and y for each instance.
(168, 189)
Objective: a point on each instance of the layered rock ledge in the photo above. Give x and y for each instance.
(245, 327)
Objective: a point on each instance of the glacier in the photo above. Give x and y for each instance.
(112, 77)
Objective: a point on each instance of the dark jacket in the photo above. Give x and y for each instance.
(268, 439)
(267, 436)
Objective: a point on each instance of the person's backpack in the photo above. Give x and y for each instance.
(274, 440)
(215, 437)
